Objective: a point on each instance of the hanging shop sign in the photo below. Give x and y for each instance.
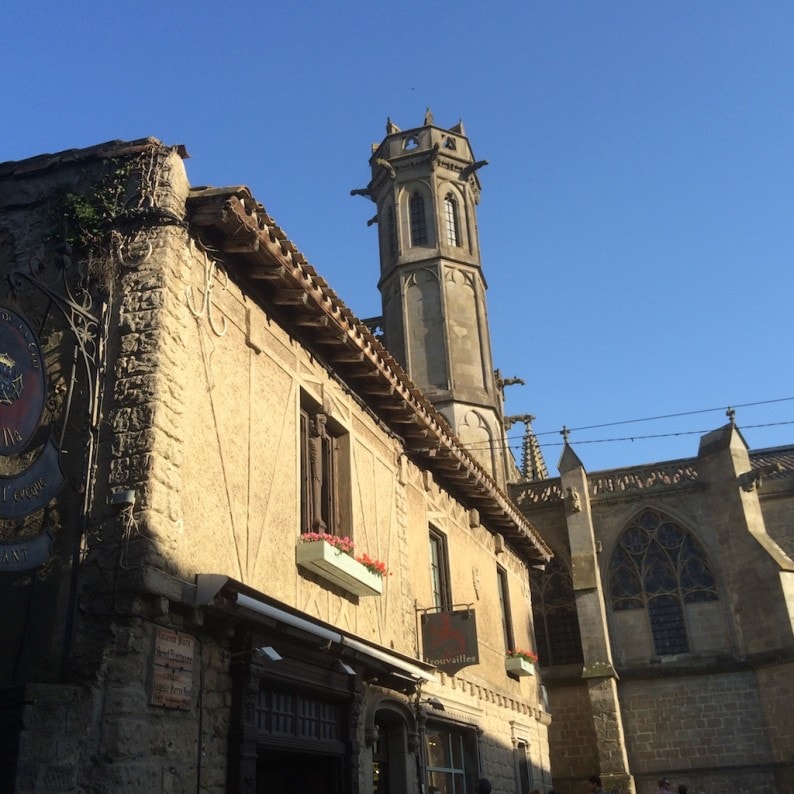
(449, 640)
(31, 489)
(26, 553)
(23, 390)
(22, 382)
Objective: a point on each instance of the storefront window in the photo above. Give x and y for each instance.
(451, 760)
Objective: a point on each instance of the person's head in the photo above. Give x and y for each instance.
(483, 786)
(664, 783)
(593, 783)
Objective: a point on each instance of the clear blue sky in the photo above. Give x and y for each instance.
(637, 215)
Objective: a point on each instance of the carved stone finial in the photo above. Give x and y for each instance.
(731, 414)
(391, 127)
(428, 118)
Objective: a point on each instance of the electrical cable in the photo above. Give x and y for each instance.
(668, 416)
(479, 445)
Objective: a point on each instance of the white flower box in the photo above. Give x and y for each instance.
(338, 568)
(517, 665)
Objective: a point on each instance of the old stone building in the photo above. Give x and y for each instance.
(240, 549)
(664, 621)
(208, 462)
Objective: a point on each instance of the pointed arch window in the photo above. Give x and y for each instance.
(556, 620)
(416, 212)
(660, 567)
(451, 224)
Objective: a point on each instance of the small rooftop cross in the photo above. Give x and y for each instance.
(731, 414)
(565, 433)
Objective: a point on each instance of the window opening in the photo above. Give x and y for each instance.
(416, 212)
(556, 620)
(293, 715)
(660, 567)
(522, 762)
(439, 571)
(380, 761)
(504, 608)
(325, 477)
(451, 760)
(451, 220)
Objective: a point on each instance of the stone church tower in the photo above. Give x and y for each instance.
(425, 185)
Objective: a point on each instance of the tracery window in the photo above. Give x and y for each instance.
(451, 220)
(416, 212)
(660, 567)
(556, 620)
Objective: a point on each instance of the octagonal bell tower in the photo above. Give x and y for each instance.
(424, 182)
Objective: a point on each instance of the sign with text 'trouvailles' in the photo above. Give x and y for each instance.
(449, 640)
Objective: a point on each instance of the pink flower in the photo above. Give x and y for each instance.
(345, 546)
(520, 653)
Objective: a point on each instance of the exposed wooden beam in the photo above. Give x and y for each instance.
(263, 273)
(244, 246)
(290, 297)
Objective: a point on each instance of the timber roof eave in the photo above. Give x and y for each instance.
(262, 255)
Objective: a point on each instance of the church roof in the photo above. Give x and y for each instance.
(780, 456)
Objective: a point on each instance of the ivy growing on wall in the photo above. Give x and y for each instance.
(89, 217)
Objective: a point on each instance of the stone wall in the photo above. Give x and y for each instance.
(689, 728)
(572, 740)
(198, 473)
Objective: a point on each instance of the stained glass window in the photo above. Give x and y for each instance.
(556, 620)
(659, 566)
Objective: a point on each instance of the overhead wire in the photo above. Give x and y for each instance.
(519, 438)
(669, 416)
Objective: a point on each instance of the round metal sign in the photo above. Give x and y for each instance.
(22, 382)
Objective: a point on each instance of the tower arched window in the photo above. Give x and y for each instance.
(660, 567)
(451, 224)
(416, 212)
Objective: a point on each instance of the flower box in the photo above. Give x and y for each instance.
(338, 568)
(517, 665)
